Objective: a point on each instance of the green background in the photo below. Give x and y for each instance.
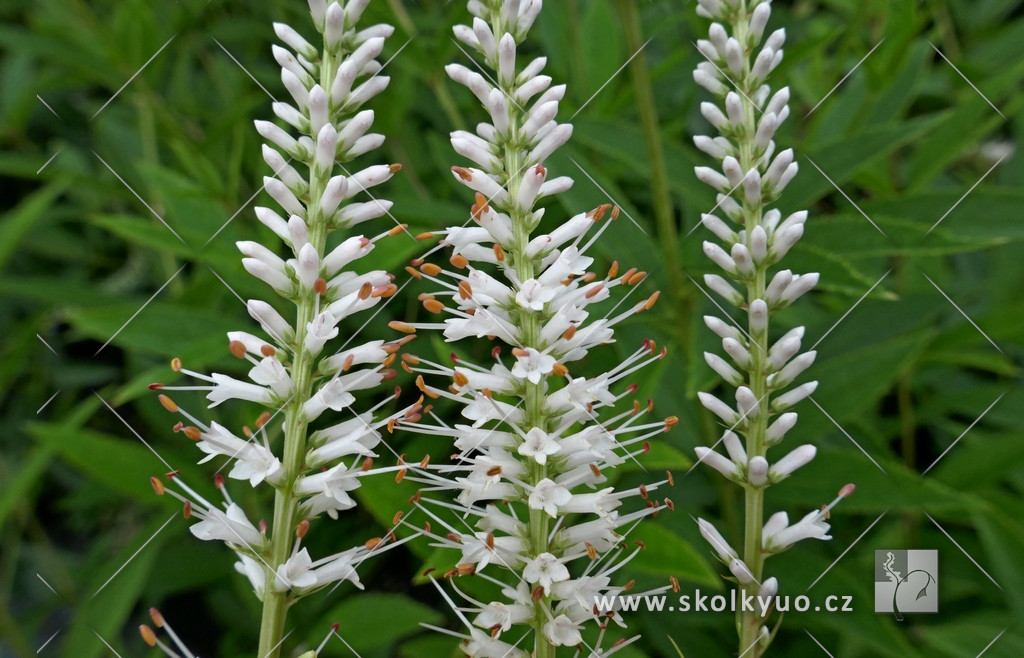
(904, 374)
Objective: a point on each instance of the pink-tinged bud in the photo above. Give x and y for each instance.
(507, 58)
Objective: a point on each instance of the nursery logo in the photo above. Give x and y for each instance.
(907, 582)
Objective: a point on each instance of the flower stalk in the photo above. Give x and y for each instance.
(537, 441)
(312, 445)
(752, 238)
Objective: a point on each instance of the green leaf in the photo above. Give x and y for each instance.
(122, 465)
(114, 588)
(668, 554)
(374, 622)
(21, 219)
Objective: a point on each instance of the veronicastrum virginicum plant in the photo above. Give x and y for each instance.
(755, 238)
(312, 458)
(537, 440)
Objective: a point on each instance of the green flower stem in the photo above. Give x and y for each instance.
(286, 503)
(529, 325)
(753, 556)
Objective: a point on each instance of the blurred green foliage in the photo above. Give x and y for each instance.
(89, 185)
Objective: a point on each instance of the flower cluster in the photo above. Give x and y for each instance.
(300, 371)
(752, 239)
(532, 494)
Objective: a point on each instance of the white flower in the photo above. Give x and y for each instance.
(253, 461)
(230, 526)
(501, 616)
(538, 444)
(563, 631)
(295, 573)
(778, 535)
(544, 570)
(534, 295)
(532, 365)
(252, 570)
(549, 496)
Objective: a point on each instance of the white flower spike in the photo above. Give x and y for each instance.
(750, 238)
(315, 395)
(529, 474)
